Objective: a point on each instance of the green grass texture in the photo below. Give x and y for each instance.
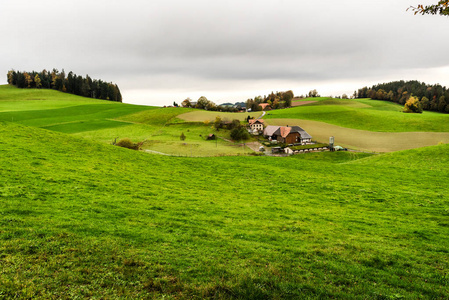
(83, 219)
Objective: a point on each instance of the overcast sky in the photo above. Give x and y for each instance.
(160, 51)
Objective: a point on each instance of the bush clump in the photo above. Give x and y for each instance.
(127, 143)
(239, 133)
(413, 106)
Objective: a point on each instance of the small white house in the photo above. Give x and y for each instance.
(256, 125)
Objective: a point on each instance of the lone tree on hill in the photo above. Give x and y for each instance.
(313, 93)
(187, 103)
(287, 97)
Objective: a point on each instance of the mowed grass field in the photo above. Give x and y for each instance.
(84, 219)
(106, 121)
(365, 124)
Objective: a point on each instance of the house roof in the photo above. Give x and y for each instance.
(269, 130)
(284, 131)
(302, 132)
(264, 105)
(253, 121)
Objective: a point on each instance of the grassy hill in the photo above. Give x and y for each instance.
(365, 114)
(86, 219)
(107, 121)
(358, 124)
(362, 124)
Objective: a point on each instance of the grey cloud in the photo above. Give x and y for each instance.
(139, 42)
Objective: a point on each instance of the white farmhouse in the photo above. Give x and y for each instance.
(256, 125)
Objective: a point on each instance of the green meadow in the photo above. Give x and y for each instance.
(91, 220)
(158, 128)
(81, 218)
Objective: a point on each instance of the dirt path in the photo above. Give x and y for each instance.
(254, 146)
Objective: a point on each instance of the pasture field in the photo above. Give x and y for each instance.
(365, 114)
(361, 124)
(107, 122)
(56, 110)
(15, 99)
(83, 219)
(365, 124)
(366, 140)
(166, 139)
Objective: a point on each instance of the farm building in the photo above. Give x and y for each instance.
(287, 134)
(256, 124)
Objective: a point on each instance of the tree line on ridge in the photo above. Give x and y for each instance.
(431, 97)
(72, 84)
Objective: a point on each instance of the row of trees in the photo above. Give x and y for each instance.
(431, 97)
(72, 83)
(275, 100)
(204, 103)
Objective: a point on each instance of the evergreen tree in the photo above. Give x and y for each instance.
(425, 103)
(442, 104)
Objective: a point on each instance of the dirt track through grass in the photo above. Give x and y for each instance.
(366, 140)
(202, 115)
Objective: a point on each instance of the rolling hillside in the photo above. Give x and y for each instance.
(357, 124)
(360, 124)
(86, 219)
(365, 114)
(365, 124)
(110, 121)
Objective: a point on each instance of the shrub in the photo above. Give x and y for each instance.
(127, 143)
(239, 133)
(267, 144)
(234, 124)
(413, 106)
